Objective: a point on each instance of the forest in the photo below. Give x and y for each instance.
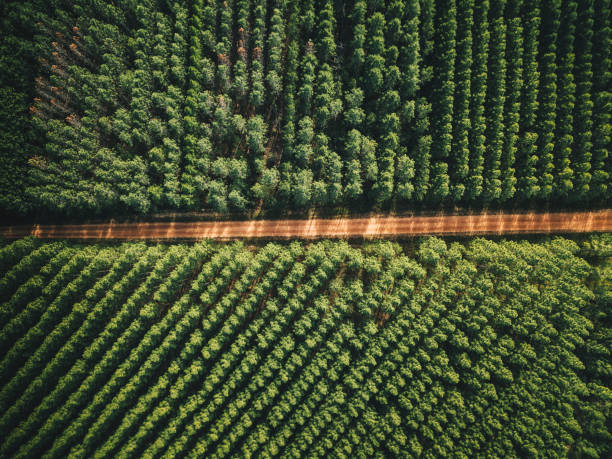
(141, 106)
(432, 348)
(132, 131)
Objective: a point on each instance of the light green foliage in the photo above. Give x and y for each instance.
(320, 349)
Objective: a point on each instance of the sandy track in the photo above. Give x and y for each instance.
(482, 224)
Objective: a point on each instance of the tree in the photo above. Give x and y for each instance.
(266, 186)
(275, 47)
(256, 135)
(217, 196)
(526, 161)
(514, 59)
(445, 52)
(496, 98)
(197, 147)
(380, 120)
(302, 188)
(551, 10)
(478, 89)
(408, 63)
(602, 102)
(241, 67)
(257, 94)
(583, 110)
(460, 150)
(565, 65)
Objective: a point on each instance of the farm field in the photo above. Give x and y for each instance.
(476, 349)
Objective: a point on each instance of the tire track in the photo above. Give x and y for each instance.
(372, 227)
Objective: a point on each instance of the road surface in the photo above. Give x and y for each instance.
(462, 225)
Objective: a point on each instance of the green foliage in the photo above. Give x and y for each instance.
(567, 88)
(526, 161)
(496, 97)
(602, 109)
(321, 349)
(140, 106)
(551, 11)
(478, 97)
(583, 125)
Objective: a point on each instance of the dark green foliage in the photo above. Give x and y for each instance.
(547, 96)
(595, 409)
(444, 89)
(477, 137)
(583, 111)
(527, 158)
(323, 349)
(496, 98)
(567, 88)
(602, 101)
(514, 78)
(460, 151)
(18, 69)
(141, 106)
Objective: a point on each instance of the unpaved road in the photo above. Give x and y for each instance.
(481, 224)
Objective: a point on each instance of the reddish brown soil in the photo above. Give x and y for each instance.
(530, 223)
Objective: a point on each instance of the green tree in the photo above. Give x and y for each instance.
(460, 151)
(583, 110)
(514, 59)
(551, 10)
(442, 101)
(566, 90)
(480, 54)
(408, 63)
(496, 98)
(526, 161)
(602, 101)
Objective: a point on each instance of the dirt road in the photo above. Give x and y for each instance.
(568, 222)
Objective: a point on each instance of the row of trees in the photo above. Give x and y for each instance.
(118, 378)
(71, 387)
(22, 263)
(70, 336)
(234, 106)
(85, 270)
(16, 318)
(216, 348)
(324, 349)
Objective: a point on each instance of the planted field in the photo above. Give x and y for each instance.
(488, 349)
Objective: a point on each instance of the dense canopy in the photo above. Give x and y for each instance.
(136, 106)
(485, 349)
(176, 110)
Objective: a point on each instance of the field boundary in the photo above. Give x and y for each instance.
(370, 227)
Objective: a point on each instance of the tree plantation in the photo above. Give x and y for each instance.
(475, 349)
(138, 106)
(247, 121)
